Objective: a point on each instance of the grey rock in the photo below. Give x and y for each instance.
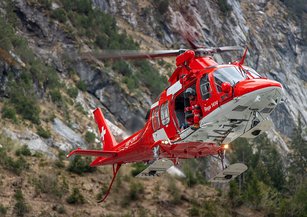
(74, 139)
(63, 146)
(32, 140)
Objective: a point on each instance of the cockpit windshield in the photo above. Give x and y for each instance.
(228, 74)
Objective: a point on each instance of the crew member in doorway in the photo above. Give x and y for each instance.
(194, 109)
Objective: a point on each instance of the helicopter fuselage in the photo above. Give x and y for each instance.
(235, 101)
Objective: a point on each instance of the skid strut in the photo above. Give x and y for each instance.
(222, 157)
(115, 171)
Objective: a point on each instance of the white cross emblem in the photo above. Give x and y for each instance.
(103, 132)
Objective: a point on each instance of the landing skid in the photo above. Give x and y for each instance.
(157, 168)
(230, 173)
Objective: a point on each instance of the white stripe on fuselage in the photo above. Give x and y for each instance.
(174, 88)
(154, 105)
(159, 135)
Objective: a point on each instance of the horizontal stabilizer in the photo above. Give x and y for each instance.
(230, 173)
(97, 153)
(157, 168)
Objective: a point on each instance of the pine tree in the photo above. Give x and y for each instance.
(298, 166)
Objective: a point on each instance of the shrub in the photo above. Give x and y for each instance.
(174, 191)
(3, 210)
(9, 113)
(162, 6)
(43, 133)
(24, 150)
(49, 184)
(192, 176)
(80, 165)
(102, 41)
(194, 211)
(26, 106)
(150, 76)
(6, 35)
(59, 209)
(135, 190)
(90, 137)
(76, 197)
(81, 85)
(80, 108)
(134, 193)
(131, 82)
(102, 192)
(46, 4)
(234, 195)
(224, 6)
(56, 96)
(15, 166)
(137, 168)
(72, 92)
(59, 162)
(59, 14)
(51, 78)
(122, 67)
(20, 207)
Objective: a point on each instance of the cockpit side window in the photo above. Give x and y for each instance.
(227, 74)
(205, 87)
(252, 72)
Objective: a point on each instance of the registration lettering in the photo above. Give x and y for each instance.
(214, 104)
(208, 108)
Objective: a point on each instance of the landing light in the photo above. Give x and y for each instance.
(226, 146)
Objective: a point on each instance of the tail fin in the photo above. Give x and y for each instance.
(106, 137)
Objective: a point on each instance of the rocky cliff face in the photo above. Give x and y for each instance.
(276, 47)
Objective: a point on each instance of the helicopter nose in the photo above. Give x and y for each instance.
(248, 86)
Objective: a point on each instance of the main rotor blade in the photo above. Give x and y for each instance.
(223, 49)
(135, 54)
(229, 48)
(213, 50)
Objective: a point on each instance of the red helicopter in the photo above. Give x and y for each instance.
(206, 107)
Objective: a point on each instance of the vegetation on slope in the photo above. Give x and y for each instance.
(99, 30)
(25, 87)
(46, 189)
(268, 185)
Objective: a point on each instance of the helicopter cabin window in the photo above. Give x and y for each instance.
(205, 87)
(155, 119)
(164, 114)
(227, 74)
(181, 102)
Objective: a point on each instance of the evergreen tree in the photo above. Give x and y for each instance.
(298, 165)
